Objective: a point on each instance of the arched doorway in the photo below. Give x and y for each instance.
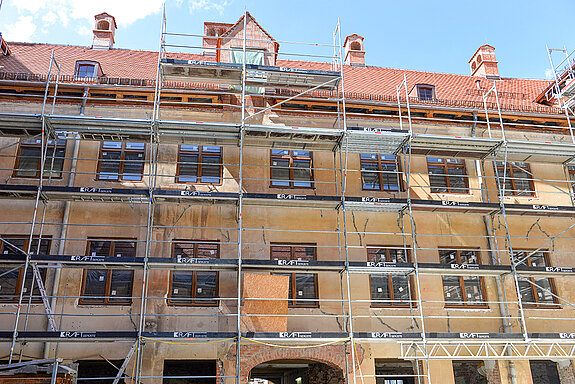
(296, 371)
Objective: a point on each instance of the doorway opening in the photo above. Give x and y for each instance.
(296, 372)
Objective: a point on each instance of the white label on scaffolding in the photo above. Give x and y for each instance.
(100, 278)
(199, 290)
(176, 290)
(469, 295)
(93, 253)
(0, 287)
(113, 293)
(300, 293)
(447, 294)
(212, 252)
(5, 252)
(104, 153)
(379, 290)
(452, 256)
(139, 155)
(274, 163)
(25, 289)
(534, 264)
(400, 289)
(118, 255)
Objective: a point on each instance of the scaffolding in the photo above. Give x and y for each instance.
(424, 337)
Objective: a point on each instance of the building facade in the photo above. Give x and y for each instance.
(229, 213)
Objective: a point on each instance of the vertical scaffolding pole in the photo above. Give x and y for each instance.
(240, 206)
(407, 168)
(152, 163)
(343, 172)
(558, 92)
(36, 204)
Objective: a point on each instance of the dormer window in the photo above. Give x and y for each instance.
(426, 92)
(86, 69)
(103, 25)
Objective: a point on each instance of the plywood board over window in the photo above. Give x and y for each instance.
(273, 291)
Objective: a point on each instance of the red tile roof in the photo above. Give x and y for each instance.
(371, 83)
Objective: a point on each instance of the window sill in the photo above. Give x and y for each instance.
(393, 306)
(466, 307)
(103, 305)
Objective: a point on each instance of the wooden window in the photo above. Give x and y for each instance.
(425, 92)
(517, 180)
(303, 288)
(389, 290)
(194, 287)
(540, 296)
(11, 276)
(108, 286)
(571, 170)
(291, 169)
(86, 69)
(447, 175)
(379, 172)
(28, 161)
(199, 164)
(121, 161)
(462, 291)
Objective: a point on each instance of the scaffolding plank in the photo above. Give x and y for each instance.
(292, 200)
(291, 137)
(198, 132)
(453, 146)
(102, 127)
(256, 75)
(537, 152)
(374, 140)
(20, 124)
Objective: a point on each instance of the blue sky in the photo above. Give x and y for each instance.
(436, 36)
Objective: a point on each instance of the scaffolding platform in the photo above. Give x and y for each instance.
(256, 75)
(452, 146)
(292, 200)
(538, 152)
(289, 137)
(374, 140)
(20, 124)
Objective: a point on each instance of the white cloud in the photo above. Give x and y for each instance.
(21, 30)
(208, 5)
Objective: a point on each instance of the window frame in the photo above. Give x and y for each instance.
(381, 172)
(484, 304)
(82, 63)
(123, 150)
(538, 304)
(292, 301)
(446, 165)
(59, 145)
(291, 158)
(105, 299)
(26, 238)
(510, 177)
(200, 153)
(411, 291)
(424, 88)
(193, 300)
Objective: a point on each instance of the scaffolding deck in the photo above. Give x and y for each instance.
(256, 75)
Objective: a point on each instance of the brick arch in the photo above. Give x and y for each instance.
(332, 355)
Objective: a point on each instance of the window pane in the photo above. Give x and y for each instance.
(370, 179)
(95, 284)
(302, 173)
(457, 180)
(522, 183)
(211, 169)
(112, 144)
(398, 256)
(184, 250)
(544, 293)
(182, 287)
(133, 166)
(452, 289)
(18, 242)
(135, 146)
(380, 289)
(437, 179)
(100, 248)
(121, 286)
(28, 163)
(468, 257)
(376, 254)
(56, 165)
(280, 172)
(281, 253)
(473, 294)
(8, 282)
(208, 251)
(124, 249)
(110, 165)
(188, 172)
(305, 289)
(304, 253)
(526, 292)
(206, 283)
(400, 288)
(390, 179)
(36, 296)
(448, 257)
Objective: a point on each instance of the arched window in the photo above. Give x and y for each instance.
(355, 46)
(211, 32)
(473, 66)
(479, 59)
(103, 25)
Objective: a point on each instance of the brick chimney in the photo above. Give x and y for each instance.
(104, 31)
(354, 53)
(484, 64)
(212, 32)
